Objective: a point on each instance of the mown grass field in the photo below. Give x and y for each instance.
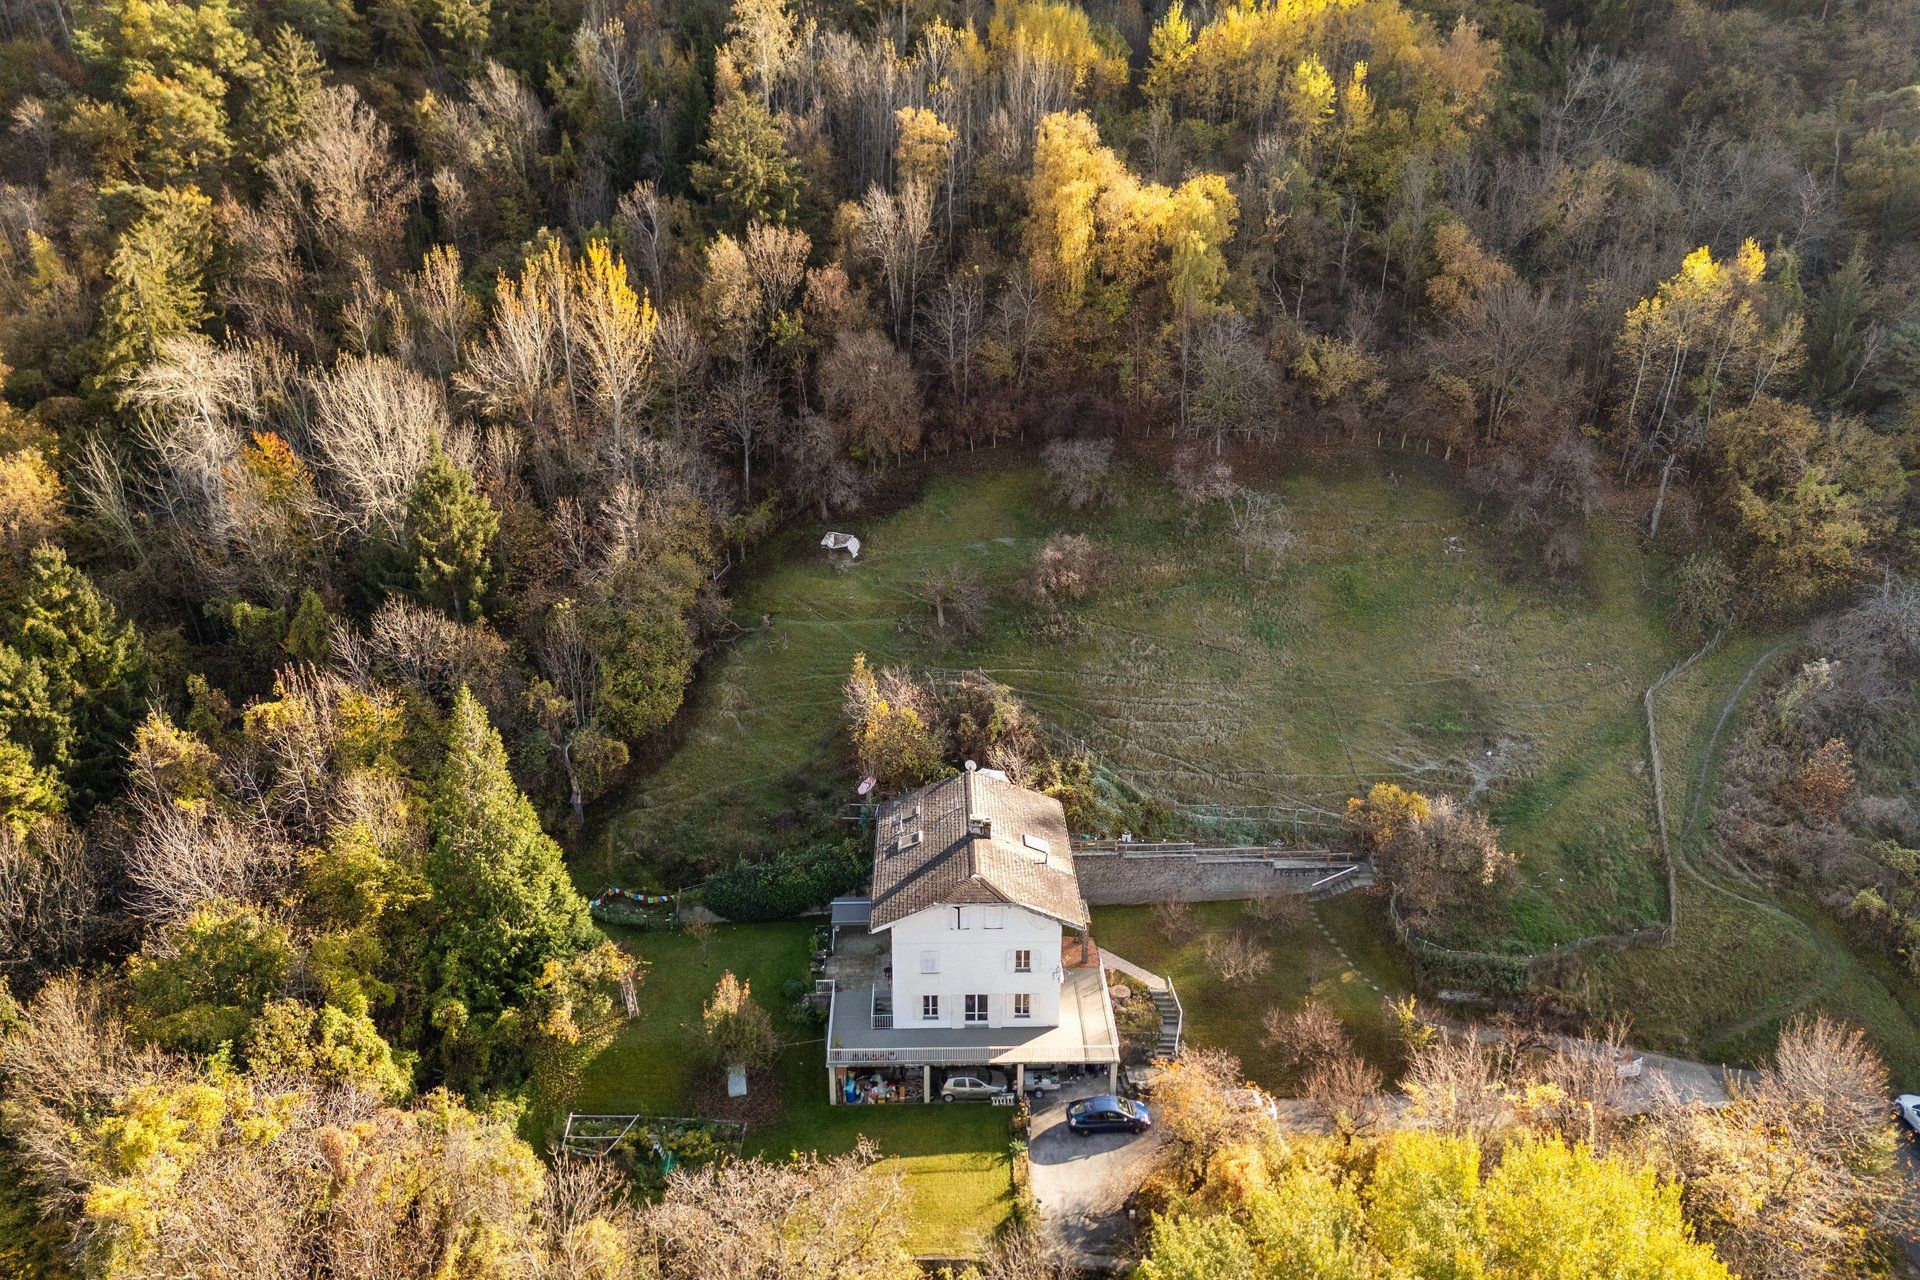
(1400, 639)
(1390, 644)
(1223, 1015)
(954, 1160)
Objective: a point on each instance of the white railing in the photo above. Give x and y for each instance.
(881, 1021)
(1179, 1015)
(1327, 886)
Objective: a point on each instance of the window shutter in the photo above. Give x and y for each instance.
(1009, 962)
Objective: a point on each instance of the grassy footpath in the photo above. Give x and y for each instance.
(1222, 1015)
(1747, 957)
(953, 1159)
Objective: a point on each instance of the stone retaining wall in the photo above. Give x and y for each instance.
(1110, 879)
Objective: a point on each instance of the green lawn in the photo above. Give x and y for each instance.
(1401, 639)
(954, 1159)
(1222, 1015)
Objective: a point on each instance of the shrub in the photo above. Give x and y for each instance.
(1077, 471)
(793, 881)
(1063, 571)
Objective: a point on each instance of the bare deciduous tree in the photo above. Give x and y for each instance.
(50, 884)
(1236, 957)
(1347, 1088)
(1077, 470)
(957, 597)
(869, 389)
(825, 1219)
(1260, 525)
(374, 426)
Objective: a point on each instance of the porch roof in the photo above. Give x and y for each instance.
(1085, 1034)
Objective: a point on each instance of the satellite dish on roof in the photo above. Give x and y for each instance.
(971, 766)
(866, 784)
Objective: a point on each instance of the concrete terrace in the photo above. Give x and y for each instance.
(860, 1030)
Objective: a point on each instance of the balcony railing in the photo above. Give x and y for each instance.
(957, 1055)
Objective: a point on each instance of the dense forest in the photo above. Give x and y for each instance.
(391, 387)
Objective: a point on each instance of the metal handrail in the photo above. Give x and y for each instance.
(1179, 1013)
(1323, 886)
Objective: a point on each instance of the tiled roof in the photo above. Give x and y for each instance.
(974, 839)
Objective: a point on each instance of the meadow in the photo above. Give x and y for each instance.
(1403, 637)
(1399, 639)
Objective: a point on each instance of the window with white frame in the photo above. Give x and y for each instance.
(976, 1008)
(930, 1008)
(929, 962)
(1022, 1005)
(1023, 961)
(959, 917)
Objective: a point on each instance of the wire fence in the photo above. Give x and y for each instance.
(1517, 974)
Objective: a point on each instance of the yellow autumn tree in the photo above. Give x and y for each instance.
(615, 337)
(1169, 55)
(1093, 220)
(1710, 338)
(1309, 98)
(1385, 811)
(922, 148)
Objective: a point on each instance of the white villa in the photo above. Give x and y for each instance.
(971, 951)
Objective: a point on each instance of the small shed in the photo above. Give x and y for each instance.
(842, 542)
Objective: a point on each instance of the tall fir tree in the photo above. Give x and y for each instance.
(157, 279)
(745, 168)
(505, 908)
(445, 538)
(73, 677)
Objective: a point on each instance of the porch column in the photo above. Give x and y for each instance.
(1113, 1077)
(833, 1086)
(926, 1082)
(1019, 1082)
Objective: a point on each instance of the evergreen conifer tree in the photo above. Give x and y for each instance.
(505, 906)
(73, 676)
(445, 536)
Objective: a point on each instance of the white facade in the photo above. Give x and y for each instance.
(976, 966)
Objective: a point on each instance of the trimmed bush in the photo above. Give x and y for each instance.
(791, 882)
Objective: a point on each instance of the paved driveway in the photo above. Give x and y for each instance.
(1082, 1183)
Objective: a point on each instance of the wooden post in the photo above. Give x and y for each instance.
(833, 1086)
(926, 1082)
(1113, 1077)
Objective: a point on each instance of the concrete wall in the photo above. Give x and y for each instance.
(1128, 878)
(972, 951)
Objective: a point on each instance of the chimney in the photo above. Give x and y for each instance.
(981, 827)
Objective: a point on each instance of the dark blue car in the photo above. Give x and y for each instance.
(1108, 1114)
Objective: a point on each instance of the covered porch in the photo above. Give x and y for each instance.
(861, 1035)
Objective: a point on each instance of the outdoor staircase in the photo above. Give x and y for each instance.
(1358, 876)
(1173, 1019)
(1170, 1021)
